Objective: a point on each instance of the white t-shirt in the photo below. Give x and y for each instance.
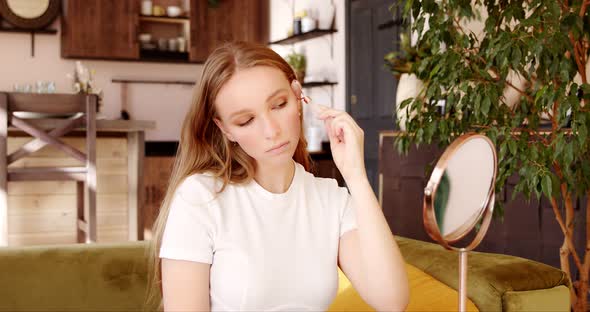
(268, 252)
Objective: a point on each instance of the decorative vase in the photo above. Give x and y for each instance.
(408, 86)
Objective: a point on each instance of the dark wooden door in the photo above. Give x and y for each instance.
(374, 32)
(100, 29)
(231, 20)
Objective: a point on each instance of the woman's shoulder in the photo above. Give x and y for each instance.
(199, 188)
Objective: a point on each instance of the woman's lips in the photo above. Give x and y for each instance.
(278, 148)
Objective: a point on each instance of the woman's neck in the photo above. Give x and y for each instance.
(275, 179)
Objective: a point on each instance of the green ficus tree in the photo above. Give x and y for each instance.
(536, 49)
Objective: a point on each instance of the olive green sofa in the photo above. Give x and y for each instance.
(113, 277)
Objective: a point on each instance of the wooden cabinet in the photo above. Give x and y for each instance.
(156, 173)
(108, 29)
(232, 20)
(326, 168)
(103, 29)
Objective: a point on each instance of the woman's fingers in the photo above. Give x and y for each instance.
(328, 125)
(338, 114)
(328, 112)
(336, 121)
(316, 108)
(343, 128)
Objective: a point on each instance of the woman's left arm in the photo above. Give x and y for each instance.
(368, 255)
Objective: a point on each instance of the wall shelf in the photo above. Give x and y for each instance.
(37, 31)
(312, 84)
(304, 36)
(163, 56)
(164, 19)
(310, 35)
(152, 80)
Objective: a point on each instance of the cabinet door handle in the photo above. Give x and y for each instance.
(353, 99)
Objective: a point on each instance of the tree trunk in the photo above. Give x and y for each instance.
(564, 261)
(569, 224)
(583, 285)
(578, 301)
(583, 293)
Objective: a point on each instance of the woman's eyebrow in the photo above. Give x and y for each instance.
(245, 110)
(274, 94)
(241, 111)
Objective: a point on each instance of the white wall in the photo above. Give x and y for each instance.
(166, 104)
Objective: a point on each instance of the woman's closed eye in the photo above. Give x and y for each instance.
(281, 105)
(247, 122)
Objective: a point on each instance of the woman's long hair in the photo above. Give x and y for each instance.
(203, 147)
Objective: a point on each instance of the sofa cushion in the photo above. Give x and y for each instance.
(552, 299)
(76, 277)
(489, 275)
(113, 277)
(426, 294)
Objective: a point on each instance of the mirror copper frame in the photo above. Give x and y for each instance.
(483, 216)
(486, 212)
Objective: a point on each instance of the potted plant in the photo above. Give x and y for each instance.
(298, 62)
(408, 85)
(545, 43)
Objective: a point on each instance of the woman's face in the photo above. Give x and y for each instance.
(258, 109)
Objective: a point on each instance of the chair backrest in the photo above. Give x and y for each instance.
(64, 104)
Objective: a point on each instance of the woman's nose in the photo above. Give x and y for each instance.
(272, 127)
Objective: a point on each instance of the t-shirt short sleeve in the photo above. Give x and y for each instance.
(348, 217)
(188, 234)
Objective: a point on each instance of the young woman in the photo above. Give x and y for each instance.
(243, 225)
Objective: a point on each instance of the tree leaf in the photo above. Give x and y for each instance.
(485, 105)
(512, 147)
(582, 134)
(569, 154)
(546, 184)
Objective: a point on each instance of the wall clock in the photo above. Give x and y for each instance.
(30, 14)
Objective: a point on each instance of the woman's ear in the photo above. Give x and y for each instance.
(220, 126)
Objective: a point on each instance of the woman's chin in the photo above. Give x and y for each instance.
(277, 160)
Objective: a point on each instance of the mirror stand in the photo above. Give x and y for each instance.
(463, 278)
(459, 196)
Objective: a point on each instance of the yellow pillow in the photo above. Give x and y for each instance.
(426, 294)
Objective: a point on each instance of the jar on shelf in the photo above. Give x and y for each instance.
(308, 23)
(146, 7)
(296, 26)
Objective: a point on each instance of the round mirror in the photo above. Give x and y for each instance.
(460, 191)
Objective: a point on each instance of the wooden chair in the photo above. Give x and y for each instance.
(85, 176)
